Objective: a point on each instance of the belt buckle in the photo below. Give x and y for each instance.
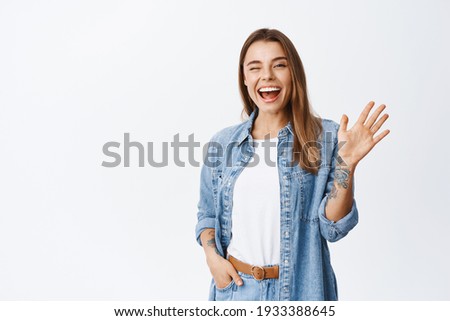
(259, 274)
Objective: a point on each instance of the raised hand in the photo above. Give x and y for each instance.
(360, 139)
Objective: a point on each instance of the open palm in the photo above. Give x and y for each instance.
(359, 140)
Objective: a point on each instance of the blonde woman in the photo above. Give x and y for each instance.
(278, 186)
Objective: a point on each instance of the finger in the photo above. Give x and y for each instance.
(222, 285)
(383, 134)
(344, 123)
(379, 123)
(237, 279)
(375, 115)
(362, 118)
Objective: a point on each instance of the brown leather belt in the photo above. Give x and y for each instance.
(258, 272)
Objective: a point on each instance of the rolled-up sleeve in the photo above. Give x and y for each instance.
(206, 210)
(334, 231)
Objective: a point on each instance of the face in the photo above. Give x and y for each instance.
(267, 76)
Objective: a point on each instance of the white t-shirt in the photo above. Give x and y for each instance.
(256, 209)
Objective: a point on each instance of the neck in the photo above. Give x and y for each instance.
(268, 124)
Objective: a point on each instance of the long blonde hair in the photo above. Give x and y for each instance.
(306, 126)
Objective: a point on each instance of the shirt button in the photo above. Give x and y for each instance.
(286, 289)
(286, 261)
(286, 233)
(284, 177)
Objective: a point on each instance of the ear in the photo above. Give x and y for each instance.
(245, 82)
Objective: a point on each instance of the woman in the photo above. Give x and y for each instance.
(264, 222)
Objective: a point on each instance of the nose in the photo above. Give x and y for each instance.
(267, 74)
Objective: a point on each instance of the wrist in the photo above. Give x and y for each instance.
(350, 168)
(346, 162)
(213, 258)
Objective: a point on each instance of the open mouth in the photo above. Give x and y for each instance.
(269, 93)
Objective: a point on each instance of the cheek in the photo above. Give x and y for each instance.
(288, 85)
(287, 79)
(247, 79)
(250, 86)
(289, 89)
(251, 92)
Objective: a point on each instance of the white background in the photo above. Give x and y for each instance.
(75, 75)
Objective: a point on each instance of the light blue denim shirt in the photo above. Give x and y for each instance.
(305, 269)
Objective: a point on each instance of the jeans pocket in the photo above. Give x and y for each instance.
(226, 293)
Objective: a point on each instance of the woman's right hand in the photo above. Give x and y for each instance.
(223, 271)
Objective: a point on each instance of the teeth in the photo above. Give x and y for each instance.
(267, 89)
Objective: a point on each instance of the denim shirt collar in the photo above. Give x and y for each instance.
(246, 131)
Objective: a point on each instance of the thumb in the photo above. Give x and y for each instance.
(344, 122)
(237, 279)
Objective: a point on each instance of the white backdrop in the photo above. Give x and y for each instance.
(76, 75)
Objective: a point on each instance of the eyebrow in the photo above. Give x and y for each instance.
(258, 62)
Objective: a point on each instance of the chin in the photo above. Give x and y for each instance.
(271, 107)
